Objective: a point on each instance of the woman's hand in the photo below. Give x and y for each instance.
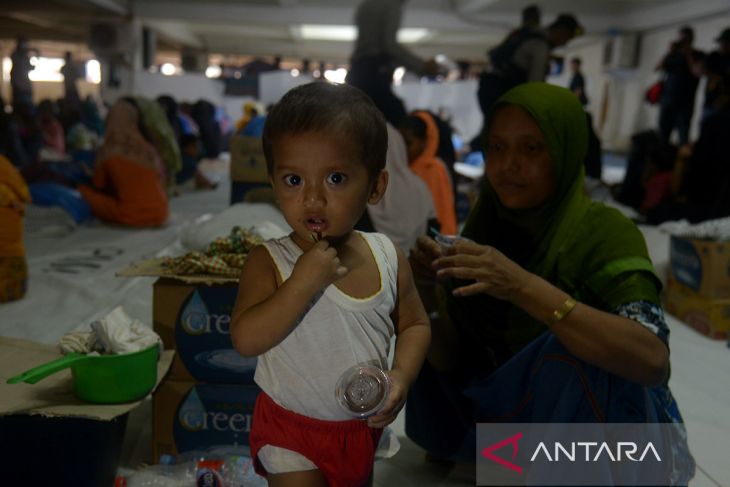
(319, 266)
(492, 272)
(422, 257)
(394, 403)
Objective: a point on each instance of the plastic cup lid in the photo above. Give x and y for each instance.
(448, 240)
(362, 390)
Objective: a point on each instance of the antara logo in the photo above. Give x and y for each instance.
(592, 451)
(623, 449)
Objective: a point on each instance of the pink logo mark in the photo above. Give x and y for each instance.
(512, 440)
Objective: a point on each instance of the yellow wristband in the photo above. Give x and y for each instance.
(562, 312)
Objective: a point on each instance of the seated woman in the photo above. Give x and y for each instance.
(13, 197)
(422, 141)
(128, 182)
(158, 131)
(551, 313)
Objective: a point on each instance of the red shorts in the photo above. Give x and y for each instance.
(344, 451)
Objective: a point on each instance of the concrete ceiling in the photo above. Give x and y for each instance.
(456, 28)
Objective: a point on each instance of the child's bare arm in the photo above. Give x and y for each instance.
(265, 314)
(413, 332)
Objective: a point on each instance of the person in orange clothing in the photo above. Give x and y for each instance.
(129, 180)
(422, 138)
(13, 268)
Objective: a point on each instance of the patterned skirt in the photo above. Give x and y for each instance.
(13, 278)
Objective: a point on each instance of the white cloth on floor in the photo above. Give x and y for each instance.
(718, 229)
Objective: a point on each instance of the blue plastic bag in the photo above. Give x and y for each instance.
(54, 194)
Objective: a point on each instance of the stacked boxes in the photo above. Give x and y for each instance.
(698, 285)
(249, 178)
(208, 397)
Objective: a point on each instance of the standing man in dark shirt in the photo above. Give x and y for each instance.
(523, 56)
(377, 54)
(680, 86)
(717, 70)
(577, 81)
(19, 80)
(70, 74)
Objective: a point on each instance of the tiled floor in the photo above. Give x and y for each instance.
(700, 367)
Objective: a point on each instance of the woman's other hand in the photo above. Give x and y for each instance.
(492, 272)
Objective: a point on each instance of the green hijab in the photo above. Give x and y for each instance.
(590, 251)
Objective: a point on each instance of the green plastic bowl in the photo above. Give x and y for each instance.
(103, 379)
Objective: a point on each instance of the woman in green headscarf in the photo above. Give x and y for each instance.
(548, 309)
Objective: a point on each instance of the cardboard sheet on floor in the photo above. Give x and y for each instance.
(52, 396)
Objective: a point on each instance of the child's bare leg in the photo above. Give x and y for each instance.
(305, 478)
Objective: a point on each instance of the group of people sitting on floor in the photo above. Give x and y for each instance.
(120, 170)
(69, 144)
(665, 182)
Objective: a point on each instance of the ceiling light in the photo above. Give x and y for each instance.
(336, 75)
(349, 33)
(46, 69)
(213, 71)
(168, 69)
(93, 71)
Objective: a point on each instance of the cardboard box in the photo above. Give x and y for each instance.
(197, 416)
(711, 317)
(247, 159)
(703, 266)
(50, 437)
(249, 177)
(194, 318)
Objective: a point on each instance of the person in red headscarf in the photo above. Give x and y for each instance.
(422, 139)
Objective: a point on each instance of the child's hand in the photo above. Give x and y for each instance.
(319, 266)
(394, 403)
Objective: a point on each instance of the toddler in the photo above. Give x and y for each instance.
(326, 297)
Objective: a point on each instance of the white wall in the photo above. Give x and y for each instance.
(193, 87)
(49, 89)
(273, 85)
(457, 100)
(186, 87)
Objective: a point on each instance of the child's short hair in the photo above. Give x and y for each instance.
(343, 111)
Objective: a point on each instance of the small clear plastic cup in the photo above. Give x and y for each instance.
(362, 390)
(449, 240)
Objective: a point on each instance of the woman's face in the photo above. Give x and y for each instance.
(518, 165)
